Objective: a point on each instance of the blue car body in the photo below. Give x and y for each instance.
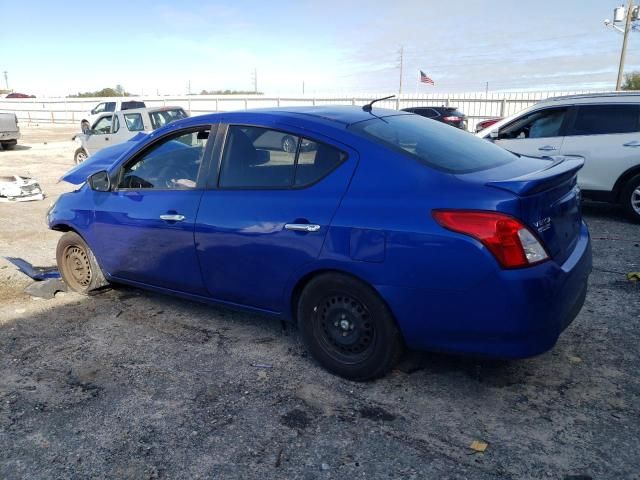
(445, 289)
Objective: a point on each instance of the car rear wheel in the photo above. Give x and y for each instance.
(347, 328)
(80, 156)
(631, 198)
(77, 265)
(9, 145)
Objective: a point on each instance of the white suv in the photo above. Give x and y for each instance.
(106, 107)
(602, 128)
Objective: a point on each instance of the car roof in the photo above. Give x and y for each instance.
(604, 97)
(149, 109)
(343, 115)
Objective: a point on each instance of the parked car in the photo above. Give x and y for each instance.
(486, 123)
(393, 232)
(602, 128)
(449, 115)
(107, 107)
(9, 130)
(19, 95)
(118, 127)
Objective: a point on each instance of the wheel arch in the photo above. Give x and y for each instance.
(622, 181)
(303, 281)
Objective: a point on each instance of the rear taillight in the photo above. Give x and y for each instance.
(452, 119)
(511, 242)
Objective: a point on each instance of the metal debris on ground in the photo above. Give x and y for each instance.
(14, 188)
(46, 288)
(478, 446)
(37, 273)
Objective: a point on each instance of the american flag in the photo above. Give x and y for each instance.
(425, 79)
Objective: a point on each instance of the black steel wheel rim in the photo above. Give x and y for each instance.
(345, 328)
(77, 266)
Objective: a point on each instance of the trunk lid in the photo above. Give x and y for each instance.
(548, 198)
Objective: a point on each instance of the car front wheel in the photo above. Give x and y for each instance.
(77, 265)
(80, 156)
(347, 327)
(630, 198)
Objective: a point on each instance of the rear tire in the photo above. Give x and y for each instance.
(630, 199)
(77, 264)
(9, 145)
(80, 156)
(347, 327)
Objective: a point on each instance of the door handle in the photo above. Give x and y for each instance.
(302, 227)
(633, 143)
(172, 217)
(547, 148)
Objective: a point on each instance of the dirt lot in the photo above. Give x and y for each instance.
(129, 384)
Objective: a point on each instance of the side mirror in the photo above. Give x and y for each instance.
(100, 181)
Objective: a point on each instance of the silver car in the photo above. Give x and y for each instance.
(116, 127)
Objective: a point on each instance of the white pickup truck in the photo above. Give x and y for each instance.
(112, 128)
(9, 130)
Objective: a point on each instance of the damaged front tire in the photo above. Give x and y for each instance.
(78, 265)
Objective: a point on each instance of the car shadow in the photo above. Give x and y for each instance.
(16, 148)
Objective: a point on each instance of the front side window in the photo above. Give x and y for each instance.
(172, 164)
(110, 106)
(134, 122)
(606, 119)
(256, 157)
(103, 125)
(541, 124)
(99, 108)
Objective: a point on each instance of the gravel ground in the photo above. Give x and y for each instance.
(129, 384)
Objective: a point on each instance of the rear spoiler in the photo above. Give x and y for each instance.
(561, 168)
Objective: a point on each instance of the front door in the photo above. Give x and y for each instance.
(268, 217)
(143, 229)
(536, 134)
(100, 136)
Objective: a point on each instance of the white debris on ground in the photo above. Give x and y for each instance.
(15, 188)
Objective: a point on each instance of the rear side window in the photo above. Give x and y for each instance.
(256, 157)
(163, 117)
(606, 119)
(134, 122)
(433, 143)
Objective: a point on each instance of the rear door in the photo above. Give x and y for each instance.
(608, 137)
(143, 229)
(535, 134)
(268, 212)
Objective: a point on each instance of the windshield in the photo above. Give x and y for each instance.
(435, 144)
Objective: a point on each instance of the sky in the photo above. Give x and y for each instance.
(332, 46)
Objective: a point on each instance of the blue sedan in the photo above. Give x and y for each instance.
(375, 231)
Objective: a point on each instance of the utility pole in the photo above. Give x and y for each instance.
(401, 65)
(6, 79)
(623, 53)
(189, 87)
(303, 87)
(255, 80)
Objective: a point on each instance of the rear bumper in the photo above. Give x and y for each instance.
(9, 136)
(511, 314)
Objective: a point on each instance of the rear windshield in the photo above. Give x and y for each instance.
(433, 143)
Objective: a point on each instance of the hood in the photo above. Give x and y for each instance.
(101, 160)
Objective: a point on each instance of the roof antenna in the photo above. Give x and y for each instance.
(367, 107)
